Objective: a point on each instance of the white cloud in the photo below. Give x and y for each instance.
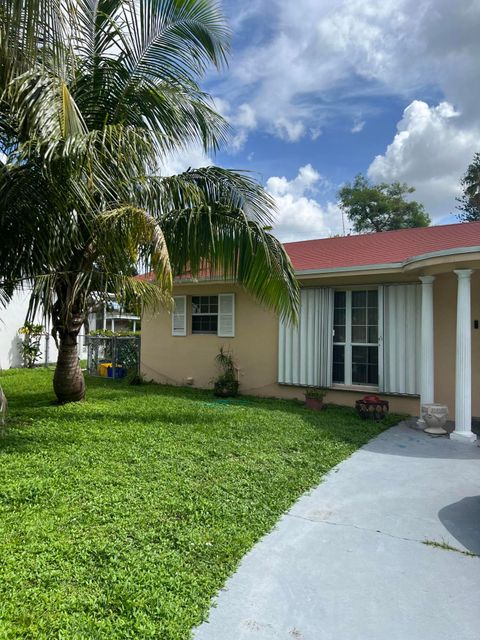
(357, 126)
(430, 151)
(243, 119)
(289, 130)
(318, 60)
(299, 215)
(237, 141)
(193, 157)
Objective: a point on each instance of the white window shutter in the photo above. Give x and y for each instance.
(305, 350)
(401, 338)
(226, 315)
(179, 316)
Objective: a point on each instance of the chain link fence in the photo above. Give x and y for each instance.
(113, 357)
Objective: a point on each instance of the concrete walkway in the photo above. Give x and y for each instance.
(348, 562)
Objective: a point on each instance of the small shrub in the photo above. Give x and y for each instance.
(314, 398)
(316, 393)
(226, 384)
(30, 345)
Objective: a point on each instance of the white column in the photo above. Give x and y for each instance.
(463, 368)
(427, 357)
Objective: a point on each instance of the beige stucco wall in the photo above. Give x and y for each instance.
(172, 360)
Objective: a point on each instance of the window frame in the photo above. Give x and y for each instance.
(348, 343)
(204, 314)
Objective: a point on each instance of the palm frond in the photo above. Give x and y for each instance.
(132, 234)
(218, 219)
(235, 190)
(228, 245)
(93, 95)
(173, 40)
(150, 294)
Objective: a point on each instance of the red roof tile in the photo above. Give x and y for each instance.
(380, 248)
(389, 247)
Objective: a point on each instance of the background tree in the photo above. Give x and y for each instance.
(94, 96)
(381, 207)
(469, 201)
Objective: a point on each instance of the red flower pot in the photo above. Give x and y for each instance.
(314, 403)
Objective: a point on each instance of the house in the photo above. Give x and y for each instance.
(113, 316)
(12, 317)
(395, 313)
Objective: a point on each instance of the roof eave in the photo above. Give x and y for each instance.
(393, 266)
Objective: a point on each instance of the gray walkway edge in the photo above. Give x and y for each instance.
(349, 561)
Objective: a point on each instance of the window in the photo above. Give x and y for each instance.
(204, 314)
(355, 339)
(214, 315)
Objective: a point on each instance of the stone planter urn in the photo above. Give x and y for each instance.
(435, 417)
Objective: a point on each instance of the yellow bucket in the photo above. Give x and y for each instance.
(103, 369)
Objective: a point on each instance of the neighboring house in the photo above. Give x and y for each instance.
(113, 317)
(12, 318)
(395, 313)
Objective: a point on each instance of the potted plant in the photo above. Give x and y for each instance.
(314, 398)
(226, 384)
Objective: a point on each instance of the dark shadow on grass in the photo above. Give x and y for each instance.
(337, 424)
(341, 423)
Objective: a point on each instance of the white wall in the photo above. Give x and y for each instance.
(11, 319)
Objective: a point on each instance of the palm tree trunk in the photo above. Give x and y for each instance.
(68, 381)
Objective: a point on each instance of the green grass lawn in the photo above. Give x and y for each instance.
(121, 516)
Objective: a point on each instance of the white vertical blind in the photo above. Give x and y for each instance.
(305, 351)
(179, 316)
(401, 338)
(226, 315)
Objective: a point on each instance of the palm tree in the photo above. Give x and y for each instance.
(94, 95)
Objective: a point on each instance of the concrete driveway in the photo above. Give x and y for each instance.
(348, 561)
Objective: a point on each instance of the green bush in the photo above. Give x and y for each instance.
(30, 346)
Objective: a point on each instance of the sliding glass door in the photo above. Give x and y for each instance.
(355, 338)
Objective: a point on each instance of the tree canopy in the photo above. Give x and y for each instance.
(381, 207)
(469, 201)
(94, 96)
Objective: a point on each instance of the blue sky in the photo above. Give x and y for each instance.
(319, 90)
